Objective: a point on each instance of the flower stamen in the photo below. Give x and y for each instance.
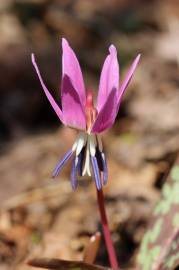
(74, 182)
(62, 162)
(90, 111)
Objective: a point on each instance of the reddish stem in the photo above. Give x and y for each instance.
(107, 236)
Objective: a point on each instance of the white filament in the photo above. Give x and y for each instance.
(90, 142)
(79, 143)
(86, 169)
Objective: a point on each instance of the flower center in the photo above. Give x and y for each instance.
(85, 147)
(88, 147)
(90, 111)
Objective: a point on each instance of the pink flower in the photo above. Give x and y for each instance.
(79, 111)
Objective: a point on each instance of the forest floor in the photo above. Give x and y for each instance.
(43, 217)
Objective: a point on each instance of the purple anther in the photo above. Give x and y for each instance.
(61, 163)
(73, 178)
(99, 159)
(105, 169)
(80, 163)
(96, 172)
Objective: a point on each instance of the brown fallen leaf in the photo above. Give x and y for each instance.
(92, 248)
(64, 265)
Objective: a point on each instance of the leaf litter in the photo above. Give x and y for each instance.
(42, 218)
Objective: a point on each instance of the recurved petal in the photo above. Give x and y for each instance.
(107, 114)
(73, 111)
(47, 93)
(109, 78)
(71, 67)
(128, 76)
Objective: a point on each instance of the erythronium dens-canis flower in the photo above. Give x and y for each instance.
(79, 111)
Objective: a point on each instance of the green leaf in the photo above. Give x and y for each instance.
(160, 243)
(175, 173)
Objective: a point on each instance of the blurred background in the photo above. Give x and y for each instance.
(43, 217)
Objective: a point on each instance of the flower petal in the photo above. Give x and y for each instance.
(72, 68)
(128, 77)
(107, 115)
(73, 112)
(47, 93)
(109, 77)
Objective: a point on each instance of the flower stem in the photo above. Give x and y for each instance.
(107, 236)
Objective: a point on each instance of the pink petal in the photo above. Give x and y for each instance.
(109, 77)
(128, 77)
(73, 111)
(72, 68)
(107, 114)
(47, 93)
